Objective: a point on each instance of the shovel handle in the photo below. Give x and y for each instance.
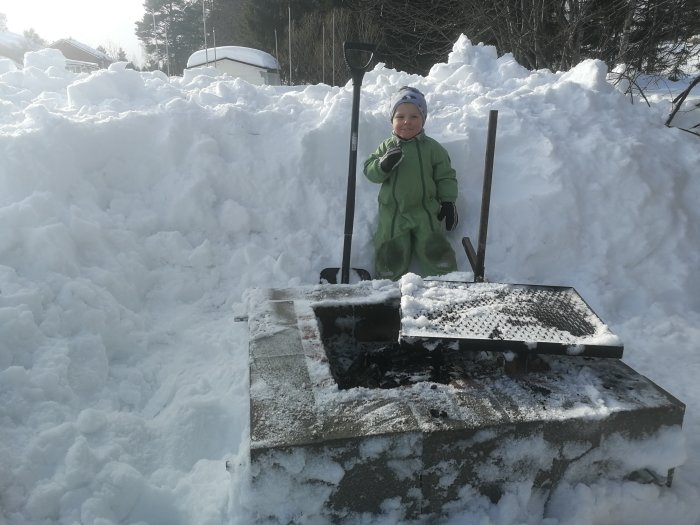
(358, 72)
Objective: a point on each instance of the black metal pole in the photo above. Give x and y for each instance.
(352, 167)
(358, 72)
(486, 197)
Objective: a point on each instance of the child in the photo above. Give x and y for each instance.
(419, 190)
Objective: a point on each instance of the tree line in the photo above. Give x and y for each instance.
(652, 36)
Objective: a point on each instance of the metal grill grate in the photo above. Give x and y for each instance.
(501, 317)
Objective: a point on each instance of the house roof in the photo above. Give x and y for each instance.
(83, 47)
(13, 41)
(14, 46)
(245, 55)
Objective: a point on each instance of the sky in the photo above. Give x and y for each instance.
(107, 23)
(139, 214)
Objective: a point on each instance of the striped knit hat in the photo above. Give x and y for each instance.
(412, 96)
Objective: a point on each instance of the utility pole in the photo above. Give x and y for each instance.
(323, 53)
(290, 43)
(167, 48)
(204, 23)
(155, 34)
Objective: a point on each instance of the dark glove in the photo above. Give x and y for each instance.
(448, 211)
(391, 159)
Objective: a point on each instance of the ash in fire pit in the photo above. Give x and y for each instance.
(394, 365)
(361, 344)
(380, 365)
(453, 332)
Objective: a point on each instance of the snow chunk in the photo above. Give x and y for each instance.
(591, 74)
(45, 59)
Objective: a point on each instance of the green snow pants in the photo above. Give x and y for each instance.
(423, 239)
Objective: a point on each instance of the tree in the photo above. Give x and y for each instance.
(317, 45)
(412, 36)
(645, 35)
(34, 38)
(554, 34)
(266, 26)
(3, 22)
(113, 51)
(660, 34)
(224, 21)
(171, 30)
(678, 103)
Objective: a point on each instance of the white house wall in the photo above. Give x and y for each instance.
(252, 74)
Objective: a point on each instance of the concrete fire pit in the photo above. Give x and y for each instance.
(339, 407)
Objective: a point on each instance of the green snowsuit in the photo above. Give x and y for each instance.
(409, 202)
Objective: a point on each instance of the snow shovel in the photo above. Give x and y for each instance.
(356, 54)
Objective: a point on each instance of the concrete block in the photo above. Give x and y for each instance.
(573, 418)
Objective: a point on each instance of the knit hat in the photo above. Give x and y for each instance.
(412, 96)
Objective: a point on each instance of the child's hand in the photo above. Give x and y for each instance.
(448, 211)
(391, 159)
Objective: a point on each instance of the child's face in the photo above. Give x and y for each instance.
(407, 121)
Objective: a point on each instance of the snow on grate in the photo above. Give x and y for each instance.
(508, 313)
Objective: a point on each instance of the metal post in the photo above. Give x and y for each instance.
(290, 44)
(477, 257)
(486, 196)
(167, 48)
(155, 34)
(204, 23)
(323, 53)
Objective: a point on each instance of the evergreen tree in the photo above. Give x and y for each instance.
(171, 30)
(34, 39)
(649, 35)
(224, 22)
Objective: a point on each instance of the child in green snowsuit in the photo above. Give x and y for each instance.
(419, 190)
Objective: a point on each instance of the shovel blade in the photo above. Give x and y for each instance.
(333, 275)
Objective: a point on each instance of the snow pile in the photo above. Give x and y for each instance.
(135, 210)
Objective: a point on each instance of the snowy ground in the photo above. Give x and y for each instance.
(135, 210)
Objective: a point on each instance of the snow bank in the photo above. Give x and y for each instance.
(135, 210)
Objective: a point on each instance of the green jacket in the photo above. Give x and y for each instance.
(422, 180)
